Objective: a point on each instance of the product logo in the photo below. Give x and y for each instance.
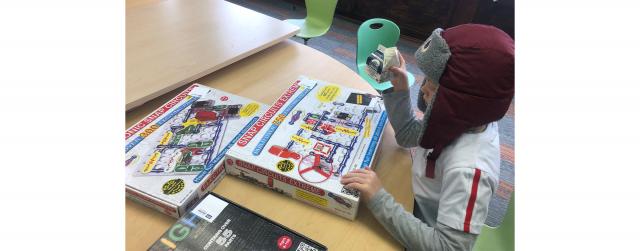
(247, 136)
(285, 165)
(230, 162)
(173, 186)
(278, 120)
(149, 130)
(280, 177)
(179, 231)
(284, 242)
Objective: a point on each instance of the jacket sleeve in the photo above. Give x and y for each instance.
(464, 199)
(413, 233)
(408, 129)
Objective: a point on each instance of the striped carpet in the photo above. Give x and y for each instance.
(340, 43)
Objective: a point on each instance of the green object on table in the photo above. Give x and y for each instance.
(371, 33)
(318, 20)
(500, 238)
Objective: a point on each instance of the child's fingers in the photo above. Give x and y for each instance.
(401, 59)
(358, 171)
(360, 180)
(363, 175)
(356, 186)
(368, 171)
(399, 74)
(395, 70)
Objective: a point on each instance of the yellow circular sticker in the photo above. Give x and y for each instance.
(173, 186)
(249, 109)
(328, 93)
(285, 165)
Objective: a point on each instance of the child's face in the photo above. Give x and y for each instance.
(428, 90)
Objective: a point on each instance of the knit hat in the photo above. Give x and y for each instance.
(476, 84)
(431, 58)
(432, 55)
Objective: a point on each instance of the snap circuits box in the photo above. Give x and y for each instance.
(175, 155)
(311, 136)
(220, 224)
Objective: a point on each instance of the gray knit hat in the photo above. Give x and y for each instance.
(432, 57)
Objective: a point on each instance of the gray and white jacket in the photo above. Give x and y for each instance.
(453, 205)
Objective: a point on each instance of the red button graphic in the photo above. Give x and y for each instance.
(284, 242)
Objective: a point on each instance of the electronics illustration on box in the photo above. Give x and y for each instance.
(311, 136)
(175, 155)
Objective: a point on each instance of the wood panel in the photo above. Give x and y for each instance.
(170, 43)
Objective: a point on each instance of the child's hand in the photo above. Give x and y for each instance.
(363, 180)
(399, 80)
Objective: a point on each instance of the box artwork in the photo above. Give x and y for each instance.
(176, 154)
(311, 136)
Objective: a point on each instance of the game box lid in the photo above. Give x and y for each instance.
(314, 133)
(175, 154)
(217, 223)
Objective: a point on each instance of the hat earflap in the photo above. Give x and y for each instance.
(432, 56)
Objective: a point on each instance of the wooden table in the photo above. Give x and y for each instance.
(173, 42)
(263, 77)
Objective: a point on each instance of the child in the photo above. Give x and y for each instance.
(468, 87)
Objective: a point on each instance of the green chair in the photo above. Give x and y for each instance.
(500, 238)
(371, 33)
(318, 20)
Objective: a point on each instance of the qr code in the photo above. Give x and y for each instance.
(304, 247)
(348, 191)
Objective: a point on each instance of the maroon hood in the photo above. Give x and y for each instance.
(476, 86)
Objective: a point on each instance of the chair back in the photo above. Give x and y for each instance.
(373, 32)
(320, 12)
